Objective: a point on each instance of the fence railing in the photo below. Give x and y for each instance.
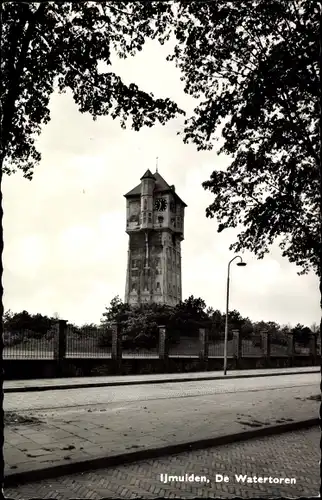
(87, 343)
(28, 345)
(64, 341)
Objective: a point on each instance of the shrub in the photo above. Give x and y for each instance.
(279, 338)
(105, 338)
(12, 338)
(257, 340)
(30, 334)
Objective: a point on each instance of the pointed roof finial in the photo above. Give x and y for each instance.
(157, 164)
(148, 175)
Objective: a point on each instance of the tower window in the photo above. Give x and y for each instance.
(158, 285)
(145, 204)
(134, 263)
(150, 218)
(160, 219)
(133, 287)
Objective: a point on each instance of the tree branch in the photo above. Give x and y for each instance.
(15, 77)
(295, 120)
(119, 10)
(295, 213)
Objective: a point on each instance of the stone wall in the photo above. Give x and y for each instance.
(19, 369)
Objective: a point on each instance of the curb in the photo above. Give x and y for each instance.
(145, 382)
(14, 479)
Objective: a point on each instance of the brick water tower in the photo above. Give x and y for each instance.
(155, 225)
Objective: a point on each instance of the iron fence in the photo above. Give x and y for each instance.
(25, 344)
(252, 348)
(216, 348)
(300, 349)
(88, 343)
(279, 350)
(187, 347)
(216, 345)
(91, 342)
(140, 352)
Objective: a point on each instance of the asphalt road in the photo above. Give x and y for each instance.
(104, 395)
(294, 456)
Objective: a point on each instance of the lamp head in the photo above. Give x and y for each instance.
(241, 264)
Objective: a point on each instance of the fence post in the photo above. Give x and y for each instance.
(313, 348)
(60, 344)
(163, 344)
(204, 345)
(291, 348)
(116, 353)
(237, 346)
(163, 347)
(266, 343)
(60, 339)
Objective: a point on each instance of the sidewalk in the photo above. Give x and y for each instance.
(105, 381)
(68, 440)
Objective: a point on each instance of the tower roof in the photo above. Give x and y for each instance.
(148, 175)
(160, 183)
(161, 186)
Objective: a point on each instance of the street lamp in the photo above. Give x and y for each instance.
(241, 264)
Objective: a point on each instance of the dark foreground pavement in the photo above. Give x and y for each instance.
(293, 455)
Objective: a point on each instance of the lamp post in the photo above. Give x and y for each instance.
(241, 264)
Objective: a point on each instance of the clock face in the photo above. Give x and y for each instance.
(160, 204)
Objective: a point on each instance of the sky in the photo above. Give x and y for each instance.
(65, 243)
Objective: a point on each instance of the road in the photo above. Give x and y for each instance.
(104, 395)
(293, 455)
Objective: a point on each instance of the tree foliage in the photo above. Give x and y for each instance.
(59, 44)
(255, 68)
(117, 311)
(301, 334)
(139, 325)
(37, 324)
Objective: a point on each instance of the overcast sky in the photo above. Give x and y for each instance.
(65, 241)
